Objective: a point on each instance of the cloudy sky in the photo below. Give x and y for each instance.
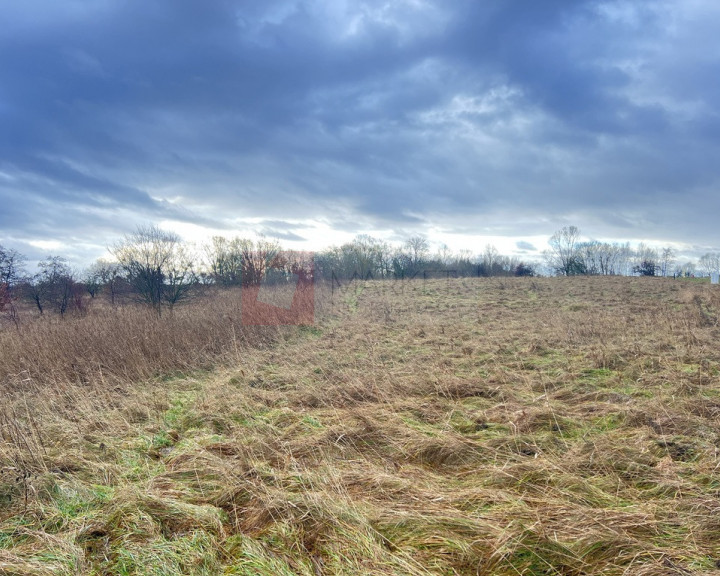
(314, 120)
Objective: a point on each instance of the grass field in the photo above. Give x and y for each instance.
(464, 426)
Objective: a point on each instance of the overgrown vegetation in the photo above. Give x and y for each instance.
(457, 426)
(157, 268)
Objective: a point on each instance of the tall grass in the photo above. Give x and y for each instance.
(128, 343)
(514, 426)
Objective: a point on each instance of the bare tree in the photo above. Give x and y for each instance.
(103, 275)
(363, 257)
(92, 282)
(465, 263)
(241, 260)
(54, 287)
(383, 257)
(710, 263)
(667, 259)
(11, 266)
(11, 273)
(180, 277)
(157, 265)
(563, 254)
(623, 259)
(257, 258)
(417, 248)
(609, 258)
(444, 255)
(490, 261)
(224, 260)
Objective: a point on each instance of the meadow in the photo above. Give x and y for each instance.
(509, 426)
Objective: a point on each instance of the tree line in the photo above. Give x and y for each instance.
(150, 266)
(569, 255)
(368, 257)
(155, 267)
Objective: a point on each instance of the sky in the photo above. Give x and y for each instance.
(311, 121)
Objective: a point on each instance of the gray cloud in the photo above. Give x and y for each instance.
(525, 246)
(472, 117)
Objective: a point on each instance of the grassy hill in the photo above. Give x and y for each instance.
(463, 426)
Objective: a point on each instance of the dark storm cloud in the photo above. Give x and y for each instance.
(474, 117)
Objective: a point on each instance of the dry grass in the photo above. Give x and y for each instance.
(515, 426)
(130, 343)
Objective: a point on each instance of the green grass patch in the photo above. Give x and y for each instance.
(596, 375)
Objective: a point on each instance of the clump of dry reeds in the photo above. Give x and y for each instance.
(129, 343)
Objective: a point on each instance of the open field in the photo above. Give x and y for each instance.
(464, 426)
